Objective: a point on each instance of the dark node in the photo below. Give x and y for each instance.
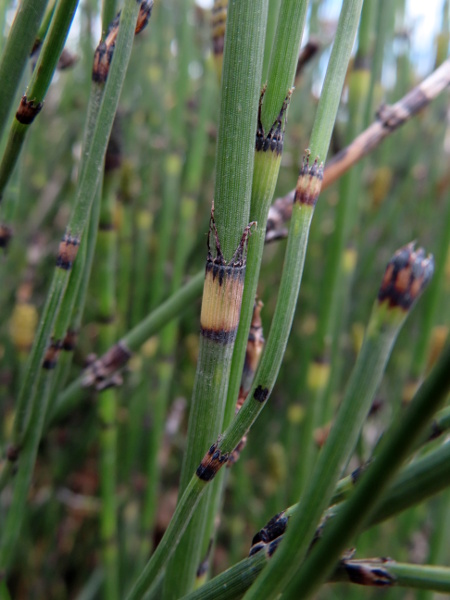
(356, 474)
(68, 249)
(70, 341)
(382, 577)
(274, 545)
(144, 15)
(51, 355)
(217, 264)
(115, 380)
(113, 156)
(274, 528)
(102, 60)
(5, 236)
(257, 548)
(203, 567)
(211, 463)
(261, 394)
(66, 60)
(391, 117)
(12, 453)
(307, 53)
(355, 573)
(273, 141)
(27, 111)
(235, 455)
(221, 336)
(369, 572)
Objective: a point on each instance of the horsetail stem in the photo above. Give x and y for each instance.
(255, 346)
(336, 278)
(405, 277)
(36, 385)
(118, 355)
(32, 102)
(272, 115)
(105, 290)
(417, 482)
(389, 119)
(219, 452)
(233, 180)
(280, 210)
(387, 573)
(221, 304)
(394, 449)
(16, 52)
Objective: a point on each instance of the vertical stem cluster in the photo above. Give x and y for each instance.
(35, 390)
(274, 103)
(234, 169)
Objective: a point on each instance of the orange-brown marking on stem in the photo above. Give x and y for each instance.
(105, 50)
(255, 346)
(406, 276)
(68, 249)
(218, 25)
(309, 182)
(211, 463)
(144, 16)
(51, 355)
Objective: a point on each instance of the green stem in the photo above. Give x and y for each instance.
(154, 568)
(222, 295)
(31, 103)
(105, 291)
(291, 23)
(388, 573)
(334, 293)
(16, 52)
(86, 190)
(419, 481)
(308, 188)
(246, 24)
(11, 528)
(134, 339)
(395, 448)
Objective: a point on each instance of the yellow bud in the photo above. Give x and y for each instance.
(23, 326)
(317, 376)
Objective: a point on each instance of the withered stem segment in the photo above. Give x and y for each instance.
(389, 118)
